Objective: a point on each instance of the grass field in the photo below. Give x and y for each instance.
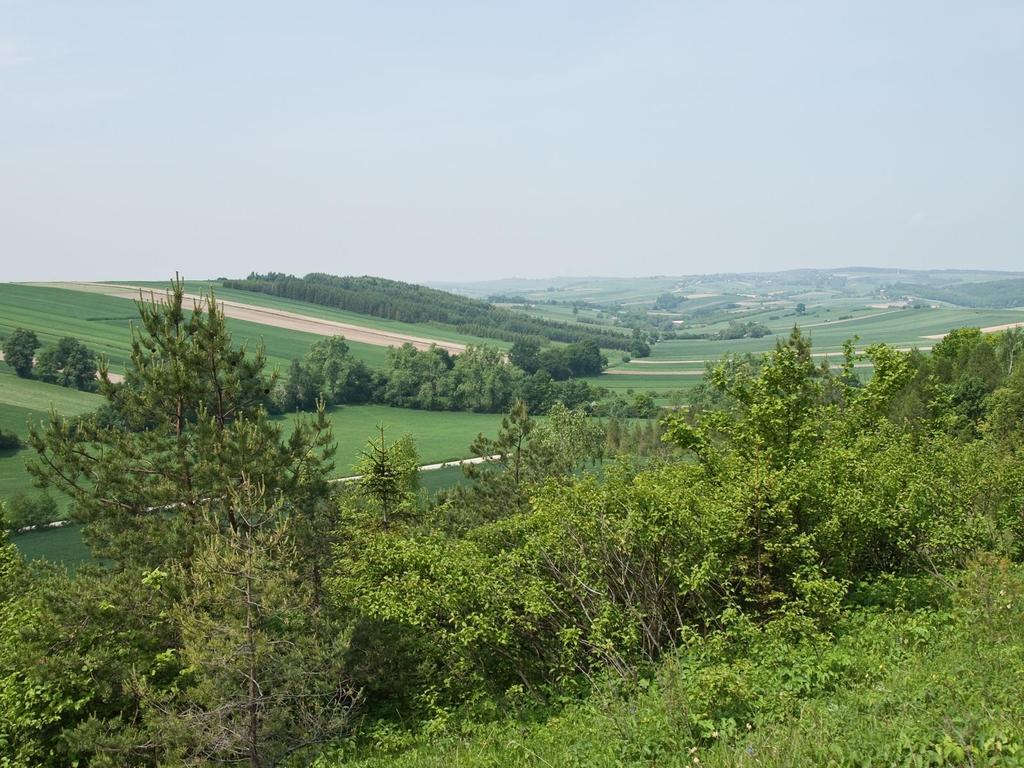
(22, 400)
(103, 323)
(439, 436)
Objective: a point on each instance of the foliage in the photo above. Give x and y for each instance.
(19, 348)
(9, 440)
(210, 604)
(793, 572)
(69, 363)
(742, 330)
(668, 301)
(30, 509)
(889, 684)
(258, 675)
(388, 475)
(329, 375)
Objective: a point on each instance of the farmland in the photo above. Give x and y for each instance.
(103, 323)
(674, 367)
(22, 401)
(433, 330)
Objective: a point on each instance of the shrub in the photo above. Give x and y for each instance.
(9, 440)
(24, 510)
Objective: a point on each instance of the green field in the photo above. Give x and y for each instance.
(103, 323)
(439, 435)
(903, 328)
(21, 401)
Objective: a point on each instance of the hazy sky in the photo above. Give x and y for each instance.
(438, 140)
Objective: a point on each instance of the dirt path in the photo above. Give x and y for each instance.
(274, 317)
(624, 372)
(990, 329)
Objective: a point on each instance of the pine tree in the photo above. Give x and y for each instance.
(191, 426)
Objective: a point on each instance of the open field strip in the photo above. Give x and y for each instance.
(837, 321)
(277, 318)
(688, 371)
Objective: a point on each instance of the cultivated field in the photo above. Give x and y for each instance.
(103, 323)
(440, 333)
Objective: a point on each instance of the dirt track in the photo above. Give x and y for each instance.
(276, 318)
(990, 329)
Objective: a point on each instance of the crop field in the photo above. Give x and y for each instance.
(903, 328)
(430, 330)
(103, 323)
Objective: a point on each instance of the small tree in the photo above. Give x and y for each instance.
(389, 475)
(19, 350)
(801, 308)
(261, 679)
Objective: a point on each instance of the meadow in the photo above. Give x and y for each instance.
(22, 401)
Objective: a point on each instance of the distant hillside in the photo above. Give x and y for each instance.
(993, 294)
(411, 303)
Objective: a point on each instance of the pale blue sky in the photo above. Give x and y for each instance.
(462, 140)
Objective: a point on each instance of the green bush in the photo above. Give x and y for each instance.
(36, 509)
(934, 685)
(9, 440)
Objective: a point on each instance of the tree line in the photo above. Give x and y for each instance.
(994, 294)
(480, 379)
(411, 303)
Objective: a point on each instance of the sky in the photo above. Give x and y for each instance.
(474, 140)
